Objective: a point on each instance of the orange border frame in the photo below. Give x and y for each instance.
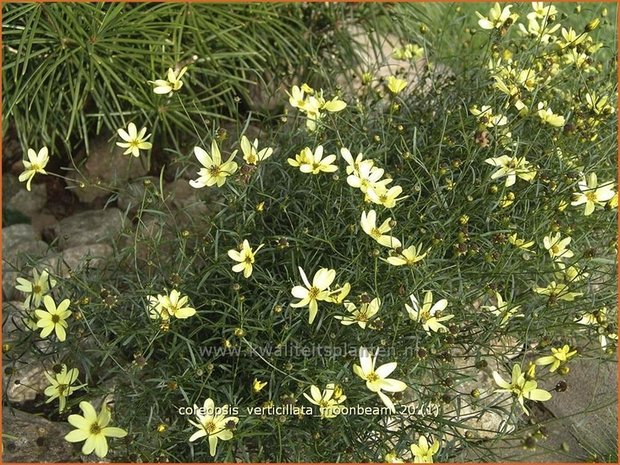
(349, 1)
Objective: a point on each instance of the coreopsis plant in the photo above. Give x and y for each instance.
(37, 288)
(171, 84)
(61, 385)
(53, 318)
(521, 387)
(214, 171)
(245, 257)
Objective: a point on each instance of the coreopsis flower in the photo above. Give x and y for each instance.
(392, 457)
(309, 162)
(251, 154)
(328, 401)
(538, 31)
(521, 388)
(245, 257)
(558, 247)
(558, 357)
(547, 116)
(61, 386)
(569, 274)
(353, 166)
(93, 429)
(313, 293)
(175, 305)
(369, 225)
(599, 105)
(361, 315)
(297, 97)
(571, 38)
(171, 84)
(35, 289)
(520, 243)
(134, 141)
(423, 452)
(379, 194)
(367, 175)
(557, 291)
(592, 194)
(499, 18)
(214, 424)
(340, 293)
(396, 85)
(377, 379)
(540, 11)
(511, 168)
(409, 256)
(592, 318)
(311, 103)
(36, 163)
(428, 313)
(214, 172)
(408, 52)
(258, 386)
(502, 309)
(486, 117)
(53, 318)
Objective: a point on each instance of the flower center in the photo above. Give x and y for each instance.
(375, 233)
(36, 289)
(555, 249)
(210, 427)
(214, 170)
(62, 388)
(591, 196)
(55, 318)
(372, 376)
(313, 292)
(95, 428)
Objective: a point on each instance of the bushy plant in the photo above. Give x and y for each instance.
(471, 247)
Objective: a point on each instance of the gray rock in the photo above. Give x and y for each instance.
(20, 242)
(184, 197)
(28, 203)
(91, 255)
(105, 168)
(10, 185)
(130, 198)
(31, 438)
(89, 227)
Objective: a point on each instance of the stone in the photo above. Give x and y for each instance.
(130, 199)
(28, 203)
(90, 255)
(105, 169)
(10, 185)
(20, 243)
(89, 227)
(32, 438)
(42, 222)
(184, 197)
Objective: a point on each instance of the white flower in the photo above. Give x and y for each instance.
(369, 225)
(35, 164)
(134, 141)
(172, 84)
(427, 313)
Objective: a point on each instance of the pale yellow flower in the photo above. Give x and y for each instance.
(377, 379)
(134, 141)
(409, 256)
(557, 291)
(498, 17)
(171, 84)
(309, 162)
(258, 386)
(367, 175)
(93, 429)
(61, 386)
(312, 293)
(53, 318)
(214, 172)
(547, 116)
(379, 194)
(361, 315)
(327, 401)
(396, 85)
(427, 313)
(423, 452)
(173, 305)
(592, 194)
(502, 309)
(558, 357)
(486, 116)
(558, 247)
(35, 289)
(213, 423)
(245, 257)
(521, 388)
(369, 225)
(520, 243)
(35, 164)
(251, 154)
(511, 168)
(540, 11)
